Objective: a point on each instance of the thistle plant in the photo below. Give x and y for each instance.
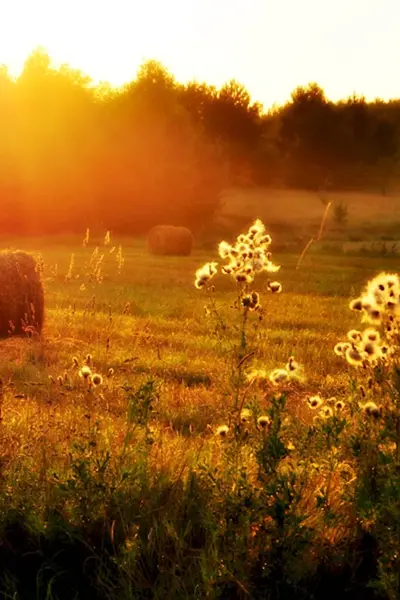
(244, 262)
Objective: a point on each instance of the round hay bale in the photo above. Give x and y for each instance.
(168, 240)
(21, 294)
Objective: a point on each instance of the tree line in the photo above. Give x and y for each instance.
(74, 155)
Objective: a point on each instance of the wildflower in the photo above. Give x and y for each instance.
(75, 362)
(60, 379)
(96, 379)
(371, 335)
(279, 376)
(339, 405)
(85, 372)
(290, 446)
(263, 422)
(222, 430)
(372, 410)
(354, 336)
(246, 301)
(374, 315)
(257, 228)
(243, 278)
(227, 270)
(275, 287)
(110, 372)
(269, 267)
(265, 240)
(224, 249)
(354, 357)
(89, 359)
(371, 350)
(205, 273)
(245, 415)
(356, 304)
(326, 412)
(314, 402)
(340, 348)
(51, 379)
(199, 283)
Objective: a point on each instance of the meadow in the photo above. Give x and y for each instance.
(130, 487)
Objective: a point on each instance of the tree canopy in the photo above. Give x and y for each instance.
(74, 155)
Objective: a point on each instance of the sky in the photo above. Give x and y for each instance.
(347, 46)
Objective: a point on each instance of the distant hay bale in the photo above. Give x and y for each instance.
(168, 240)
(21, 294)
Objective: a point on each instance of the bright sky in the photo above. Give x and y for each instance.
(270, 46)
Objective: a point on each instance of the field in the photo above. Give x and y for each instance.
(125, 490)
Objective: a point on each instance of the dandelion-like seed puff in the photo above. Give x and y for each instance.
(246, 258)
(379, 307)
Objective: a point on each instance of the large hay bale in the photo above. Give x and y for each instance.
(169, 240)
(21, 294)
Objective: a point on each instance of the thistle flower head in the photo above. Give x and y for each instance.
(339, 405)
(314, 402)
(224, 249)
(354, 336)
(96, 379)
(263, 422)
(341, 347)
(371, 410)
(354, 357)
(257, 228)
(279, 376)
(222, 431)
(371, 335)
(85, 372)
(326, 412)
(245, 415)
(275, 287)
(205, 274)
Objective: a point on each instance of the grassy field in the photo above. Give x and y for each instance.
(295, 215)
(120, 490)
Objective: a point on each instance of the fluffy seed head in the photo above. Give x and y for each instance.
(275, 287)
(315, 402)
(96, 379)
(354, 357)
(263, 422)
(356, 304)
(339, 405)
(85, 372)
(224, 249)
(372, 410)
(279, 376)
(371, 335)
(326, 412)
(354, 336)
(245, 415)
(222, 430)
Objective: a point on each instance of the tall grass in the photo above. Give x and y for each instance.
(165, 442)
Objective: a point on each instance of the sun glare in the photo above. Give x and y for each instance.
(270, 47)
